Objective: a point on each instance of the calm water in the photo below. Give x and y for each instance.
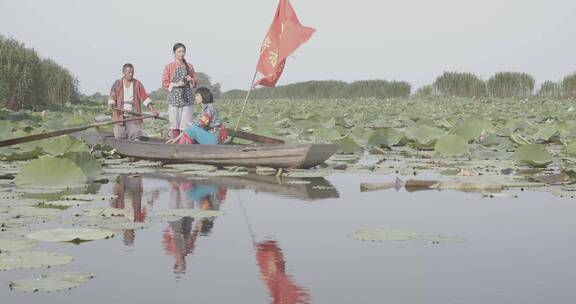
(289, 244)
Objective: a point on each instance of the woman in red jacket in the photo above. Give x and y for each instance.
(178, 79)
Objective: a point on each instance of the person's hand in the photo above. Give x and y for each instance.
(191, 80)
(180, 83)
(155, 113)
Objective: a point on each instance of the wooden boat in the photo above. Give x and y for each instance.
(265, 155)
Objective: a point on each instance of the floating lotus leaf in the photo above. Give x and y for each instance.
(113, 223)
(19, 152)
(146, 164)
(31, 214)
(88, 197)
(13, 231)
(9, 195)
(51, 172)
(385, 138)
(570, 149)
(439, 239)
(40, 191)
(215, 173)
(32, 260)
(52, 282)
(318, 187)
(266, 171)
(86, 162)
(125, 225)
(6, 128)
(194, 213)
(519, 125)
(360, 133)
(381, 235)
(19, 202)
(326, 135)
(116, 161)
(63, 144)
(65, 203)
(298, 182)
(423, 136)
(340, 121)
(16, 244)
(70, 235)
(469, 132)
(235, 168)
(104, 212)
(546, 133)
(306, 173)
(492, 140)
(193, 167)
(348, 146)
(519, 139)
(127, 170)
(534, 155)
(451, 145)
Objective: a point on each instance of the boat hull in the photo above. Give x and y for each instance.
(264, 155)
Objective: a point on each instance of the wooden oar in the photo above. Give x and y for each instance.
(239, 134)
(255, 137)
(138, 114)
(33, 137)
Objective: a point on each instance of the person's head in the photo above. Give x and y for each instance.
(203, 95)
(179, 50)
(128, 71)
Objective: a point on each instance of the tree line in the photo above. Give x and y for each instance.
(502, 85)
(328, 89)
(449, 84)
(30, 82)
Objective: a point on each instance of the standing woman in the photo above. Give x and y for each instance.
(178, 79)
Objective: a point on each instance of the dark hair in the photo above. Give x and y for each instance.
(127, 65)
(177, 46)
(207, 96)
(181, 45)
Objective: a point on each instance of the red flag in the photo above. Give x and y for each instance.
(285, 35)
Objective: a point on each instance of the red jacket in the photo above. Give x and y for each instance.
(169, 71)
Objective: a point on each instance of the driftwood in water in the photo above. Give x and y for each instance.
(418, 185)
(469, 187)
(552, 178)
(397, 184)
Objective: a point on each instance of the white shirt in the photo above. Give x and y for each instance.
(129, 97)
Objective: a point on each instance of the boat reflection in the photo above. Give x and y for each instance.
(180, 237)
(305, 189)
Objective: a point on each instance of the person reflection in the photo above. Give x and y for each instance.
(179, 237)
(273, 272)
(129, 187)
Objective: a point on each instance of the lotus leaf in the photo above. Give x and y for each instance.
(52, 282)
(32, 259)
(70, 235)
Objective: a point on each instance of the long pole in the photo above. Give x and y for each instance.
(33, 137)
(244, 105)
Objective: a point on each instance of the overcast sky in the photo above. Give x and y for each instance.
(412, 40)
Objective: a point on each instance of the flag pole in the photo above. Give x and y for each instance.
(244, 105)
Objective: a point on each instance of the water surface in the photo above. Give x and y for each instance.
(288, 243)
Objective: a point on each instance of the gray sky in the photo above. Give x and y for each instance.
(412, 40)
